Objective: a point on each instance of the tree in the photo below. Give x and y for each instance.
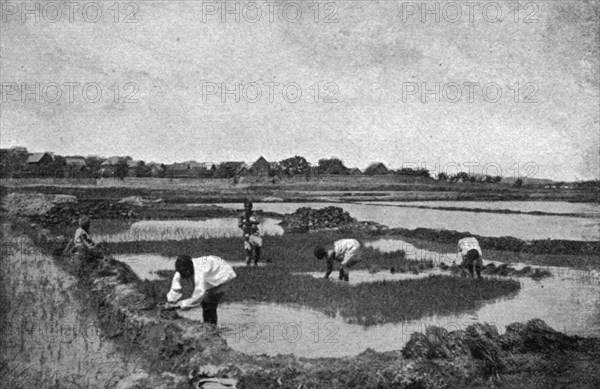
(94, 164)
(295, 165)
(518, 183)
(121, 169)
(162, 172)
(331, 166)
(58, 167)
(142, 170)
(12, 162)
(442, 176)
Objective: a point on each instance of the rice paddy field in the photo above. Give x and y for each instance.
(397, 284)
(285, 307)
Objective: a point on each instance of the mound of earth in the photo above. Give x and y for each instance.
(69, 213)
(308, 219)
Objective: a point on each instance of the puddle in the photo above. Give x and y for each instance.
(157, 230)
(146, 265)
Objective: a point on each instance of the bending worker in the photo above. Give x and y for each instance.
(345, 251)
(248, 222)
(471, 254)
(211, 276)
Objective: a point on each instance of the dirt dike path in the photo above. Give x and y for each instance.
(48, 338)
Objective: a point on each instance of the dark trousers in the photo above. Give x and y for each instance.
(472, 261)
(344, 275)
(253, 254)
(210, 303)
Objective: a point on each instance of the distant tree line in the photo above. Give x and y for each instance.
(465, 177)
(17, 163)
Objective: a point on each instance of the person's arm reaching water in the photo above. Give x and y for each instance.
(175, 292)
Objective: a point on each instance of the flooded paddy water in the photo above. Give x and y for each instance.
(522, 226)
(569, 301)
(583, 209)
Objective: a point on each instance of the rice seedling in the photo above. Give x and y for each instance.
(396, 300)
(161, 230)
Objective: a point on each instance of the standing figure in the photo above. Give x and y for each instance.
(211, 276)
(471, 254)
(344, 251)
(248, 222)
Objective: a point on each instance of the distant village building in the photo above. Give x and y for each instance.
(19, 150)
(75, 162)
(376, 169)
(230, 169)
(108, 167)
(260, 168)
(156, 170)
(76, 165)
(211, 166)
(39, 159)
(112, 161)
(242, 171)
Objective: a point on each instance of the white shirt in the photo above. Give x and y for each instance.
(209, 272)
(469, 243)
(345, 249)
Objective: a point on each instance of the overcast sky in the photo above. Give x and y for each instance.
(376, 57)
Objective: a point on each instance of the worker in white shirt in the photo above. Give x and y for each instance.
(344, 251)
(211, 276)
(471, 254)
